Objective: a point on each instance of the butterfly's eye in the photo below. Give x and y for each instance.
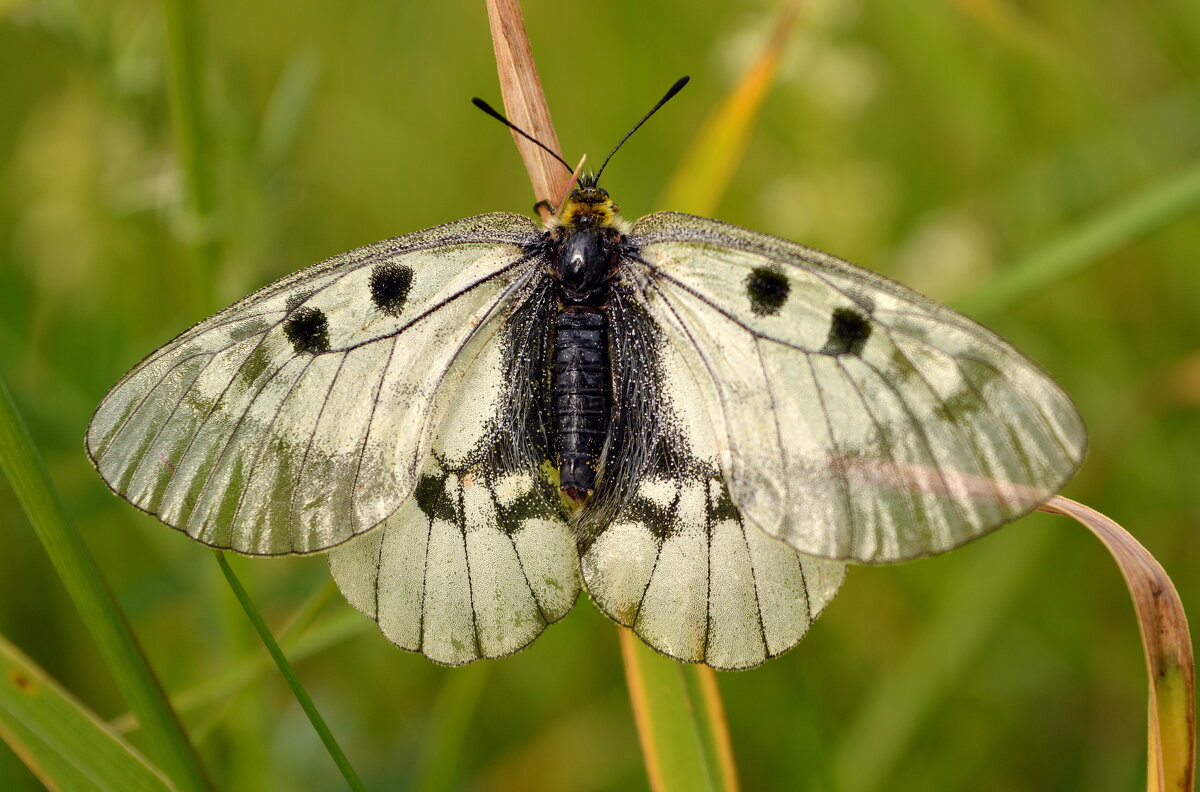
(308, 330)
(389, 287)
(848, 333)
(767, 289)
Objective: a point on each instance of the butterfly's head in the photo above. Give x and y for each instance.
(589, 206)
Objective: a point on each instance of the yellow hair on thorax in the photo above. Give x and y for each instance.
(590, 207)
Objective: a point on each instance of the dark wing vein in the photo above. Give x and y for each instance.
(182, 395)
(838, 461)
(228, 440)
(883, 439)
(312, 435)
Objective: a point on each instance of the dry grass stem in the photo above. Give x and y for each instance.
(1167, 643)
(524, 102)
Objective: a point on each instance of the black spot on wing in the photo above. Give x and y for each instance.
(308, 330)
(390, 283)
(767, 289)
(433, 500)
(723, 508)
(848, 333)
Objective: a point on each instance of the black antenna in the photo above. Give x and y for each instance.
(487, 108)
(674, 89)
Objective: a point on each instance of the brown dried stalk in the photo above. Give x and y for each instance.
(1167, 644)
(524, 102)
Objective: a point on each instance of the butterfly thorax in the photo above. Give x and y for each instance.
(585, 251)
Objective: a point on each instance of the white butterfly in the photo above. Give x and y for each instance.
(478, 416)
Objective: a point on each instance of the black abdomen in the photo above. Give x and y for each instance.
(580, 396)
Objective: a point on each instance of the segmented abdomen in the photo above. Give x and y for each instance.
(580, 396)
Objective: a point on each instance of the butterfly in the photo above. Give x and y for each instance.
(698, 423)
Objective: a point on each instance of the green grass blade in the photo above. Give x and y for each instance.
(709, 712)
(81, 577)
(1089, 241)
(183, 37)
(61, 741)
(285, 668)
(673, 743)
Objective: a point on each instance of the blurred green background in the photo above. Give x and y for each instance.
(937, 142)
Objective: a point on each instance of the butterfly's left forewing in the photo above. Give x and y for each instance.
(855, 418)
(302, 415)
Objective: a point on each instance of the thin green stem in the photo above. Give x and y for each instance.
(183, 37)
(1089, 241)
(285, 668)
(169, 744)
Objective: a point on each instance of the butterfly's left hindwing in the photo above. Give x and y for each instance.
(855, 418)
(302, 415)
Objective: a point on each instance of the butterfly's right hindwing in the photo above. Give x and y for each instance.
(301, 416)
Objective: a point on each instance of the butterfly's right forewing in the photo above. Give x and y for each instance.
(301, 416)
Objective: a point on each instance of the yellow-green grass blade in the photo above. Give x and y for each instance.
(59, 739)
(714, 153)
(1167, 644)
(709, 712)
(169, 744)
(672, 742)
